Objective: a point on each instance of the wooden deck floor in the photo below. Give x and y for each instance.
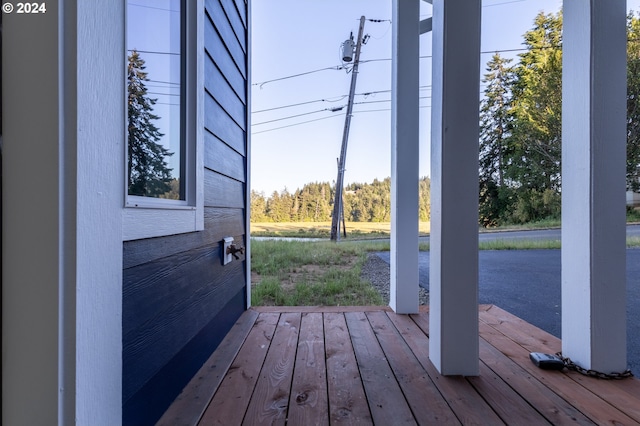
(307, 366)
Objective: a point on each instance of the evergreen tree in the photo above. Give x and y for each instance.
(495, 130)
(633, 103)
(149, 174)
(495, 121)
(537, 107)
(258, 207)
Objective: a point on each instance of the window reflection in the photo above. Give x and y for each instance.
(155, 98)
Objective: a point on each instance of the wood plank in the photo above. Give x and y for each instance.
(584, 400)
(392, 353)
(508, 404)
(551, 406)
(308, 403)
(529, 336)
(230, 402)
(190, 405)
(321, 309)
(466, 403)
(218, 156)
(623, 394)
(222, 191)
(510, 325)
(347, 401)
(386, 400)
(426, 402)
(271, 396)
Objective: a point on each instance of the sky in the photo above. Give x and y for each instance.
(292, 37)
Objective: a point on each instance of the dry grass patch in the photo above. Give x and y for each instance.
(355, 230)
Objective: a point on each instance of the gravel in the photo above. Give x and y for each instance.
(376, 271)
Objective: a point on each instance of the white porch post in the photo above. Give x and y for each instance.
(404, 156)
(453, 280)
(593, 184)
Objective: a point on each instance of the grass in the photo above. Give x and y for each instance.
(301, 273)
(297, 273)
(370, 230)
(519, 244)
(355, 230)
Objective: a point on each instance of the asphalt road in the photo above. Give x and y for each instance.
(527, 284)
(539, 234)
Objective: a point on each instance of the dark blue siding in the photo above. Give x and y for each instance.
(179, 301)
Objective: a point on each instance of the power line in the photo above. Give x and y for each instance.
(341, 67)
(336, 68)
(336, 109)
(151, 7)
(164, 82)
(500, 4)
(425, 87)
(152, 52)
(298, 115)
(163, 94)
(296, 124)
(325, 118)
(298, 104)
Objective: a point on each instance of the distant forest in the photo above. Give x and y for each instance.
(363, 202)
(520, 143)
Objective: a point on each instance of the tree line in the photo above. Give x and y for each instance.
(363, 202)
(519, 143)
(520, 126)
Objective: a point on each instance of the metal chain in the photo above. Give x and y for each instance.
(593, 373)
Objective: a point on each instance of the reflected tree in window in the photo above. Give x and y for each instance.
(149, 174)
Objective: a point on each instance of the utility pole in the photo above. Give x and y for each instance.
(337, 204)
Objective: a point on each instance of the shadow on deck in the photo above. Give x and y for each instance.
(365, 365)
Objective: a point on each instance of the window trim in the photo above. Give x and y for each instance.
(145, 217)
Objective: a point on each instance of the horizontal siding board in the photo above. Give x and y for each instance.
(219, 88)
(241, 6)
(216, 51)
(223, 27)
(150, 402)
(218, 122)
(178, 298)
(218, 223)
(220, 157)
(220, 56)
(151, 288)
(235, 21)
(158, 324)
(227, 69)
(222, 191)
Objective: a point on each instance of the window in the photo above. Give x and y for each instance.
(155, 99)
(163, 192)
